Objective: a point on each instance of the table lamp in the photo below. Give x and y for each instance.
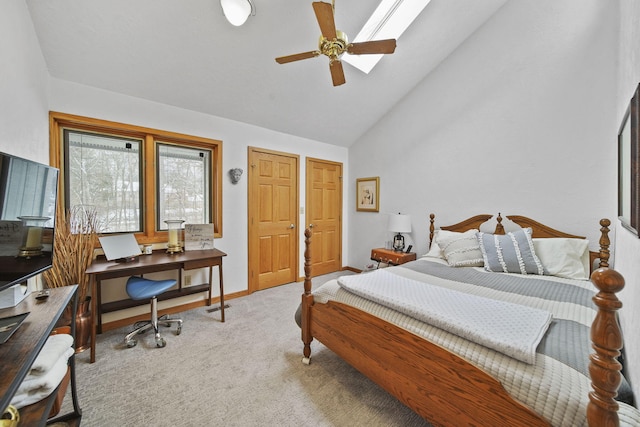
(399, 224)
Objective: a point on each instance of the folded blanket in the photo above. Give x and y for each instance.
(36, 387)
(512, 329)
(56, 346)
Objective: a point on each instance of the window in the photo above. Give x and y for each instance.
(136, 178)
(390, 19)
(104, 172)
(183, 183)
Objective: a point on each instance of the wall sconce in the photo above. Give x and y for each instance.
(174, 244)
(32, 227)
(235, 175)
(399, 224)
(237, 11)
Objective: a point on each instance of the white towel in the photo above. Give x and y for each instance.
(36, 387)
(55, 347)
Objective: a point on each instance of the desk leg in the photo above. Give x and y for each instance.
(210, 284)
(94, 308)
(99, 302)
(221, 292)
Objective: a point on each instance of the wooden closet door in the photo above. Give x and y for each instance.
(273, 218)
(324, 214)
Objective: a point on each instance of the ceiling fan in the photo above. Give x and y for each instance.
(333, 43)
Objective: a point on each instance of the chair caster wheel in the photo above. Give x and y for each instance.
(131, 343)
(179, 330)
(160, 342)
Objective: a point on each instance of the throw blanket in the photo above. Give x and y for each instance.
(512, 329)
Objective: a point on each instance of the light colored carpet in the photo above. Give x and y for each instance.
(244, 372)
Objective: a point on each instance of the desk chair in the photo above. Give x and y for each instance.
(140, 288)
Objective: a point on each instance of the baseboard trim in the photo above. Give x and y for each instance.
(347, 268)
(169, 310)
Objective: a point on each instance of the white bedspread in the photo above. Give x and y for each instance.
(511, 329)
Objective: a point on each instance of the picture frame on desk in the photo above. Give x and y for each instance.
(198, 237)
(368, 194)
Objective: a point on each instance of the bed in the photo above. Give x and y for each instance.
(451, 379)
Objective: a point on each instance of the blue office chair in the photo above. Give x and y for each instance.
(140, 288)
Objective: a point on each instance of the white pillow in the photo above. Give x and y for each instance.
(564, 257)
(462, 250)
(435, 251)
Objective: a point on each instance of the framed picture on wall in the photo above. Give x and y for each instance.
(368, 194)
(629, 166)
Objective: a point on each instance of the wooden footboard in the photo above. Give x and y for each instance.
(438, 385)
(442, 387)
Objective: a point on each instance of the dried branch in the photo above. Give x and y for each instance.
(75, 238)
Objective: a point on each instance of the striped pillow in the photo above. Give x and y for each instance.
(461, 250)
(510, 253)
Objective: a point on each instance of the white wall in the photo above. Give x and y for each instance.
(82, 100)
(513, 121)
(627, 244)
(24, 122)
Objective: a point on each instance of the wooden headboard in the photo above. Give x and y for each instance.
(539, 230)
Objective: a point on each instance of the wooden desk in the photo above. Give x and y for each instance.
(102, 269)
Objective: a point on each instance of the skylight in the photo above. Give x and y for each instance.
(389, 21)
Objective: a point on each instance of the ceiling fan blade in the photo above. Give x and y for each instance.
(337, 73)
(374, 46)
(324, 15)
(297, 57)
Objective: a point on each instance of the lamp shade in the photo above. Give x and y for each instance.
(399, 223)
(236, 11)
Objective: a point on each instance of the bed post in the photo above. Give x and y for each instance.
(432, 228)
(499, 227)
(604, 242)
(606, 340)
(307, 299)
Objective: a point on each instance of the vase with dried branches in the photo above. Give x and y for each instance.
(76, 237)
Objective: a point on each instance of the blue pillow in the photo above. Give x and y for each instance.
(510, 253)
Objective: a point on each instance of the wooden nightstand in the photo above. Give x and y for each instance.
(391, 257)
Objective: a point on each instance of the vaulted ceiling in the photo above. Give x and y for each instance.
(185, 54)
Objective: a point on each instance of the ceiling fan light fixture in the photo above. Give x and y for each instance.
(237, 11)
(333, 48)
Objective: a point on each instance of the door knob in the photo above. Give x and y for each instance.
(310, 225)
(292, 226)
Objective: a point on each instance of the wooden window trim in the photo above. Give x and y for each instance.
(58, 121)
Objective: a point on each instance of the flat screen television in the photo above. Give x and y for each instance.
(28, 195)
